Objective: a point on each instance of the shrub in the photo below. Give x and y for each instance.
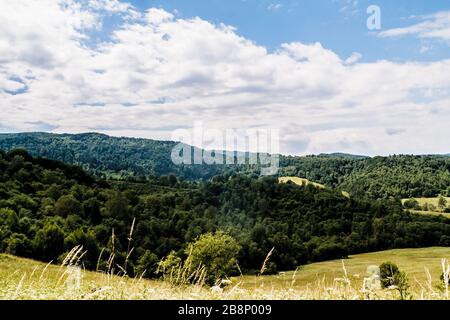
(217, 252)
(411, 204)
(49, 243)
(86, 239)
(271, 268)
(18, 244)
(442, 203)
(391, 276)
(442, 278)
(167, 266)
(147, 264)
(180, 273)
(388, 270)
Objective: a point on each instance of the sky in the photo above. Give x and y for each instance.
(313, 69)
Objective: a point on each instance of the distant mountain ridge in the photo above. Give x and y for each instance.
(343, 155)
(101, 154)
(119, 157)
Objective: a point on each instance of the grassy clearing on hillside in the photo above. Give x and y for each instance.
(434, 201)
(303, 182)
(413, 261)
(430, 201)
(27, 279)
(300, 181)
(431, 213)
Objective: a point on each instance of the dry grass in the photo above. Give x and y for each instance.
(28, 279)
(430, 201)
(303, 182)
(300, 181)
(431, 213)
(434, 201)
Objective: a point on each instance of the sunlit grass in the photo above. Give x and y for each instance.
(430, 201)
(300, 181)
(412, 261)
(27, 279)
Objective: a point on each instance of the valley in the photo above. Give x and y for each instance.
(135, 222)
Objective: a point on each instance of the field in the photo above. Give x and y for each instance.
(412, 261)
(430, 201)
(431, 213)
(27, 279)
(300, 181)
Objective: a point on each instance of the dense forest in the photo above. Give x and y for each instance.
(108, 157)
(47, 208)
(401, 176)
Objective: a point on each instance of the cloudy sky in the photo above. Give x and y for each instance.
(312, 69)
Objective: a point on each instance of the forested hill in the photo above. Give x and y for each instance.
(47, 208)
(104, 156)
(400, 176)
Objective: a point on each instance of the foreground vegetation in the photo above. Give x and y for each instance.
(27, 279)
(415, 262)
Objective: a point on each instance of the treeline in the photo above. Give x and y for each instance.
(109, 157)
(398, 176)
(124, 158)
(47, 208)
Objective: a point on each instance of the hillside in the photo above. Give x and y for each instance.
(356, 266)
(28, 279)
(107, 156)
(300, 182)
(47, 208)
(400, 176)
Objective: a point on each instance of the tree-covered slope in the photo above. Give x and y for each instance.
(103, 155)
(47, 208)
(400, 176)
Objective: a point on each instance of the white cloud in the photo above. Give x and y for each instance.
(158, 16)
(158, 72)
(114, 6)
(349, 7)
(274, 6)
(355, 57)
(436, 26)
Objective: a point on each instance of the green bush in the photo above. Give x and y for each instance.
(217, 252)
(388, 270)
(18, 244)
(147, 264)
(442, 203)
(168, 265)
(49, 242)
(412, 204)
(391, 276)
